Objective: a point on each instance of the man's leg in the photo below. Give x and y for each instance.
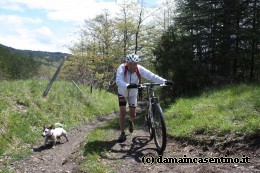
(122, 113)
(132, 113)
(132, 107)
(132, 110)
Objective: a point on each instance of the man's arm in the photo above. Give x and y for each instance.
(150, 75)
(120, 78)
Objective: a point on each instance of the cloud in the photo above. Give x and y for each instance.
(67, 10)
(16, 26)
(18, 20)
(78, 11)
(10, 5)
(26, 33)
(46, 24)
(44, 35)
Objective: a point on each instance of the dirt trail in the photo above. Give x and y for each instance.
(137, 149)
(128, 156)
(58, 159)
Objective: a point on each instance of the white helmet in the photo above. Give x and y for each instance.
(132, 58)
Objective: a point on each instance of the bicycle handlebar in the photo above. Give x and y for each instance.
(145, 85)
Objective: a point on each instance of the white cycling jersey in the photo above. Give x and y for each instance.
(124, 79)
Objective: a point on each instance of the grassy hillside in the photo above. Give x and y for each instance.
(24, 111)
(231, 109)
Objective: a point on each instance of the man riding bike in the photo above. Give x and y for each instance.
(127, 79)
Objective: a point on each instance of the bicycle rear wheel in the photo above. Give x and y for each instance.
(159, 128)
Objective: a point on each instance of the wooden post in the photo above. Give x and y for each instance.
(54, 77)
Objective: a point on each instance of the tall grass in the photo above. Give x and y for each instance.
(231, 109)
(24, 111)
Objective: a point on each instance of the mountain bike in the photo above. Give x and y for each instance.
(154, 118)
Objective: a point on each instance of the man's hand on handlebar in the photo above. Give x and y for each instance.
(132, 85)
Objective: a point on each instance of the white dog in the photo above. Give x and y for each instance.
(53, 133)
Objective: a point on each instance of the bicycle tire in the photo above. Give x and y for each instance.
(149, 124)
(160, 137)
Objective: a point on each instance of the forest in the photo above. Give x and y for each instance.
(195, 43)
(15, 65)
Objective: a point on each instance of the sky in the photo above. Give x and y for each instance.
(48, 25)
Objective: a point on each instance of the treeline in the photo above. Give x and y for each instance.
(195, 43)
(47, 56)
(105, 40)
(16, 65)
(211, 43)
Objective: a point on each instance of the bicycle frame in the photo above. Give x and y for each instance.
(152, 99)
(154, 117)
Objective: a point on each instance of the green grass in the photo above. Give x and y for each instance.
(231, 109)
(24, 111)
(99, 143)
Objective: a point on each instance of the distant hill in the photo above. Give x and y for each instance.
(49, 56)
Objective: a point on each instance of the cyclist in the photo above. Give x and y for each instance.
(127, 78)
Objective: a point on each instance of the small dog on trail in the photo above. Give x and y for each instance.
(53, 133)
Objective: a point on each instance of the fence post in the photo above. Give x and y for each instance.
(54, 77)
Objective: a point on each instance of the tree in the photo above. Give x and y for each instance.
(217, 40)
(222, 33)
(93, 56)
(106, 40)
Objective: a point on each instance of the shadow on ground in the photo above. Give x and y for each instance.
(136, 146)
(46, 147)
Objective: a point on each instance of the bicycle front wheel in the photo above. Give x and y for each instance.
(149, 124)
(159, 128)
